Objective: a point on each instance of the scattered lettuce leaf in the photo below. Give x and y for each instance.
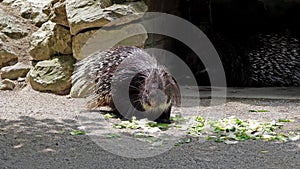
(113, 135)
(285, 120)
(264, 151)
(77, 132)
(260, 111)
(109, 115)
(177, 118)
(232, 129)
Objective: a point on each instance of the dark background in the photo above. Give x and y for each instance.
(233, 26)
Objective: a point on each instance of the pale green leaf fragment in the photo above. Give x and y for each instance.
(230, 142)
(295, 138)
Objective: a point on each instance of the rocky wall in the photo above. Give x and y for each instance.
(63, 30)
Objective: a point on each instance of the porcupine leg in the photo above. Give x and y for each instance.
(164, 117)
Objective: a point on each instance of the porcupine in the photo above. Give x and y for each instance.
(152, 89)
(269, 59)
(275, 61)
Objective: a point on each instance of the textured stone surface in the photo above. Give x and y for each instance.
(33, 11)
(52, 75)
(30, 9)
(91, 41)
(87, 14)
(8, 2)
(56, 10)
(49, 40)
(7, 55)
(3, 37)
(7, 84)
(15, 71)
(78, 41)
(11, 26)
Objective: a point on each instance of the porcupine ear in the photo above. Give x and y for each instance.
(176, 90)
(173, 88)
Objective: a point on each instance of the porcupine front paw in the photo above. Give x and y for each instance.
(164, 117)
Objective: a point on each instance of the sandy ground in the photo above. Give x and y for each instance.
(34, 133)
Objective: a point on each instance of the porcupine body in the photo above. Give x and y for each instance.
(275, 61)
(269, 59)
(112, 75)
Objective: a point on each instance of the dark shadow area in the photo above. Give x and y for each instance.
(257, 41)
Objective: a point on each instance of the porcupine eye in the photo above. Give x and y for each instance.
(146, 98)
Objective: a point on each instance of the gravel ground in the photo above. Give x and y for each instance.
(34, 133)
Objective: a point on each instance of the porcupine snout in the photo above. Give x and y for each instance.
(155, 97)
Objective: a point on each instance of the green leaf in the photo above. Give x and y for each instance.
(109, 115)
(238, 121)
(113, 135)
(163, 126)
(260, 111)
(294, 137)
(177, 118)
(219, 140)
(200, 119)
(77, 132)
(183, 141)
(285, 120)
(264, 151)
(127, 125)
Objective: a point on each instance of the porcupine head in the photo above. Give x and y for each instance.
(159, 92)
(152, 91)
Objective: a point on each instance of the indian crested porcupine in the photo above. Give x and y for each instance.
(152, 90)
(275, 61)
(259, 60)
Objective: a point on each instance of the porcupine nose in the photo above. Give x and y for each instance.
(156, 98)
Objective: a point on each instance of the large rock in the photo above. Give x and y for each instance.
(88, 42)
(3, 37)
(15, 71)
(87, 14)
(33, 11)
(11, 26)
(7, 84)
(7, 55)
(56, 10)
(78, 41)
(50, 39)
(9, 2)
(52, 75)
(30, 9)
